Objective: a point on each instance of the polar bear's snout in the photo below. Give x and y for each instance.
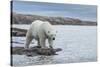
(53, 38)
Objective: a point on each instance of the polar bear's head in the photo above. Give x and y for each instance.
(52, 34)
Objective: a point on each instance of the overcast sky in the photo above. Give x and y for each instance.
(84, 12)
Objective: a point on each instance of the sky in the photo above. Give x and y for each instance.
(83, 12)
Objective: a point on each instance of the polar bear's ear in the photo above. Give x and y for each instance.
(48, 31)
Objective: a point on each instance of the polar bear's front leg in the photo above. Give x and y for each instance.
(38, 43)
(42, 42)
(50, 43)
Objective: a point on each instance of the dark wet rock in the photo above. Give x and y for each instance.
(34, 51)
(18, 32)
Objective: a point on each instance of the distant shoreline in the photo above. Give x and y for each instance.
(28, 19)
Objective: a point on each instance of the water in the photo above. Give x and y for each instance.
(78, 43)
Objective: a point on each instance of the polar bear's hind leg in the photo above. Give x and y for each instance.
(28, 41)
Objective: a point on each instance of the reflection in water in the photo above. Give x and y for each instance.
(45, 59)
(39, 59)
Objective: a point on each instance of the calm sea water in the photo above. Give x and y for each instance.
(78, 43)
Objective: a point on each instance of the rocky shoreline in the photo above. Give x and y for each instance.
(18, 32)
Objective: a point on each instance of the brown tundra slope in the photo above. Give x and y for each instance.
(27, 19)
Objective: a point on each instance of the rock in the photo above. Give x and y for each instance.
(18, 32)
(34, 51)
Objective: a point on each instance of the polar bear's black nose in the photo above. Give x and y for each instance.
(53, 38)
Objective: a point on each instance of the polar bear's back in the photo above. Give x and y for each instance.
(35, 26)
(38, 23)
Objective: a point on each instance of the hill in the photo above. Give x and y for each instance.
(27, 19)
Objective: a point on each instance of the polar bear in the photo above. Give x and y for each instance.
(40, 31)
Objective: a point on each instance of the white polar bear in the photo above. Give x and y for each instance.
(40, 31)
